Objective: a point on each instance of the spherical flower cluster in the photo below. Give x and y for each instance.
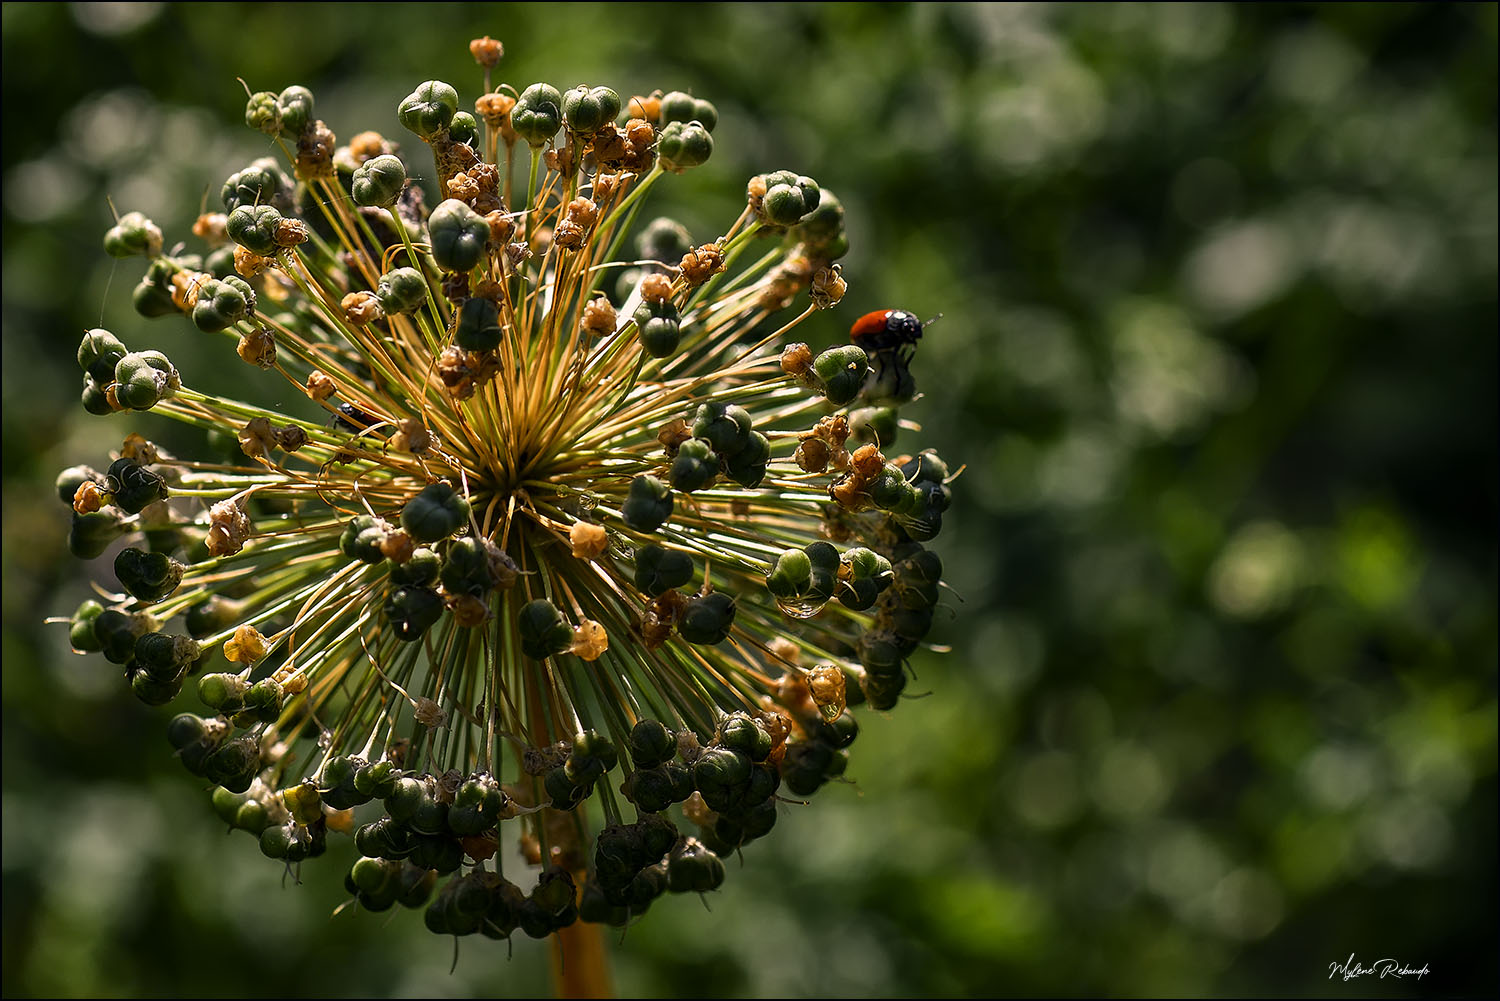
(569, 535)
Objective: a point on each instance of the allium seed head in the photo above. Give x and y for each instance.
(533, 525)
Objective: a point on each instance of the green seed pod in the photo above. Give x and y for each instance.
(362, 537)
(185, 730)
(402, 802)
(95, 399)
(152, 298)
(759, 820)
(821, 231)
(866, 563)
(145, 379)
(927, 467)
(412, 611)
(147, 577)
(748, 466)
(377, 780)
(429, 109)
(788, 198)
(92, 533)
(401, 290)
(648, 505)
(378, 181)
(651, 743)
(414, 885)
(469, 567)
(69, 480)
(555, 892)
(791, 577)
(824, 558)
(220, 304)
(537, 114)
(878, 653)
(870, 574)
(658, 570)
(534, 921)
(464, 128)
(882, 691)
(263, 702)
(254, 227)
(842, 371)
(596, 746)
(337, 783)
(911, 501)
(261, 183)
(234, 764)
(435, 513)
(647, 885)
(707, 618)
(680, 107)
(478, 325)
(98, 354)
(595, 908)
(565, 795)
(133, 234)
(420, 571)
(220, 262)
(684, 144)
(252, 816)
(163, 655)
(763, 783)
(467, 821)
(153, 690)
(223, 692)
(841, 732)
(650, 789)
(263, 114)
(81, 627)
(375, 840)
(586, 110)
(660, 328)
(458, 235)
(118, 631)
(739, 732)
(804, 765)
(720, 769)
(724, 426)
(212, 616)
(276, 842)
(431, 817)
(543, 629)
(373, 875)
(227, 804)
(695, 467)
(692, 867)
(296, 107)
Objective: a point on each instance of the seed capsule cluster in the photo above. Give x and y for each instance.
(558, 539)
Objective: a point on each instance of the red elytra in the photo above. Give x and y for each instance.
(884, 329)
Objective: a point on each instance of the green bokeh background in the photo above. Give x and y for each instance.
(1218, 286)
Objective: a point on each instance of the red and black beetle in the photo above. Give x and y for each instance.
(885, 329)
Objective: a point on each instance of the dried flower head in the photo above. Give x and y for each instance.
(536, 526)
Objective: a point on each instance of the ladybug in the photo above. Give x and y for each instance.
(885, 329)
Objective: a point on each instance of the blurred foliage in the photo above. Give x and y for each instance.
(1218, 287)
